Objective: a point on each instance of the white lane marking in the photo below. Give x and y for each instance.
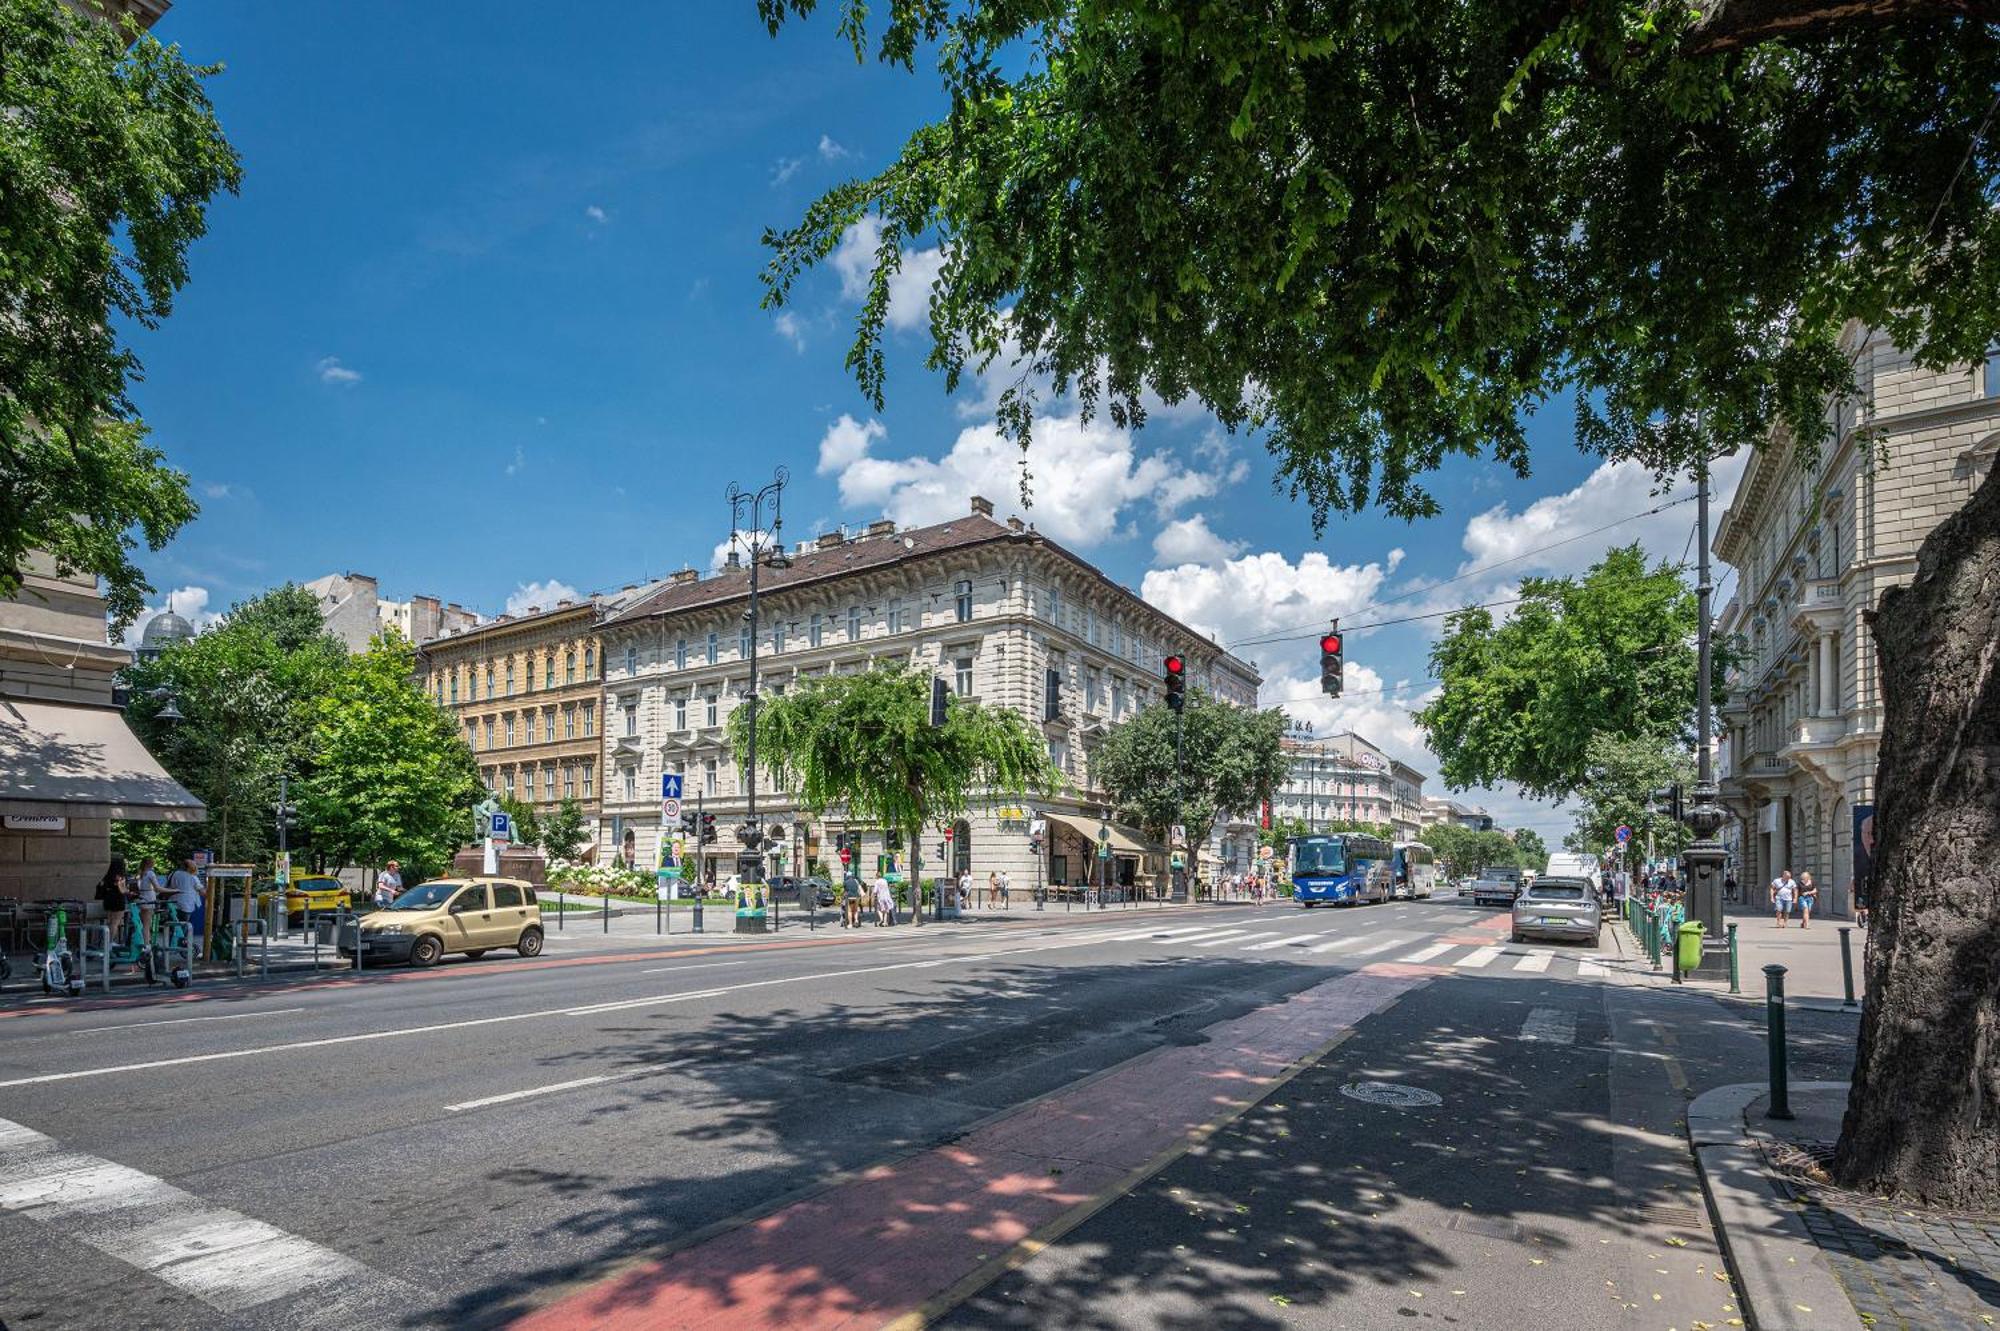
(697, 966)
(1221, 942)
(1216, 936)
(1592, 970)
(464, 1105)
(1296, 940)
(1134, 935)
(542, 1014)
(1550, 1026)
(1383, 946)
(1340, 944)
(1425, 954)
(227, 1260)
(1478, 957)
(1535, 961)
(178, 1021)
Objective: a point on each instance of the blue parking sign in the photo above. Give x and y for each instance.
(502, 828)
(670, 785)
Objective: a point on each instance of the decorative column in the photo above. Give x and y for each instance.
(1829, 688)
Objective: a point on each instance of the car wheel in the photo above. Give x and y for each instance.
(531, 942)
(1595, 939)
(1518, 937)
(426, 951)
(475, 954)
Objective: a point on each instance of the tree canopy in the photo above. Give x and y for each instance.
(865, 743)
(109, 158)
(1233, 762)
(1534, 850)
(1383, 232)
(1620, 776)
(1610, 653)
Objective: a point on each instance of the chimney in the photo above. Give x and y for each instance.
(881, 527)
(1015, 525)
(735, 560)
(830, 539)
(685, 575)
(982, 506)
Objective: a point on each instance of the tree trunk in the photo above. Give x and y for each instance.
(1923, 1119)
(1727, 25)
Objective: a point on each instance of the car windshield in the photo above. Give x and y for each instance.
(428, 897)
(1320, 857)
(1557, 891)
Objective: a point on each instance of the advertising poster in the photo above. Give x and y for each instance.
(1864, 847)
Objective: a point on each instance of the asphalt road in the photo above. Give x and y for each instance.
(466, 1145)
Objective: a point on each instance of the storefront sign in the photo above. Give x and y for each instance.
(36, 822)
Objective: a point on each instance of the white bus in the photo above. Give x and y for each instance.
(1414, 869)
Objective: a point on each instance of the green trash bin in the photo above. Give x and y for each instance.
(1687, 945)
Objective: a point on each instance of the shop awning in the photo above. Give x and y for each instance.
(1124, 840)
(78, 761)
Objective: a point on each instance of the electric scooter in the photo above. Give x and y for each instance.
(167, 951)
(56, 963)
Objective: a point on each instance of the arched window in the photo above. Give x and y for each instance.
(590, 663)
(569, 667)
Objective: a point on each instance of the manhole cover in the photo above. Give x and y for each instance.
(1390, 1093)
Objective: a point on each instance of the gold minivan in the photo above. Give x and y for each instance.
(469, 915)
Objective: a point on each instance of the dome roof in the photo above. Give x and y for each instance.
(164, 630)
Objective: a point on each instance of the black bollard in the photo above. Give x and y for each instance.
(1774, 1029)
(1847, 965)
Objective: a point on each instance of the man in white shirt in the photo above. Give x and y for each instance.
(184, 889)
(1783, 893)
(964, 889)
(388, 884)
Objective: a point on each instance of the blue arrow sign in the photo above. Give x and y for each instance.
(670, 785)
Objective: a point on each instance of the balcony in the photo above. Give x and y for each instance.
(1819, 608)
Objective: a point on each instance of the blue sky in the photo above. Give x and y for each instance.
(485, 319)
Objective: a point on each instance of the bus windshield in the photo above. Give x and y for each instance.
(1318, 856)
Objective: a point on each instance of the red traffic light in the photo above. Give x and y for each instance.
(1330, 643)
(1175, 665)
(846, 855)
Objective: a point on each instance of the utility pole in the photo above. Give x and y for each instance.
(1703, 861)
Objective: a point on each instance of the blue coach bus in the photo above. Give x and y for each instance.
(1341, 868)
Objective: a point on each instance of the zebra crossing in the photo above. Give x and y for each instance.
(1241, 941)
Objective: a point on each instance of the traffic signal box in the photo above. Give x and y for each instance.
(1176, 681)
(1330, 661)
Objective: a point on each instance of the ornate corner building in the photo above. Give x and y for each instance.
(1814, 537)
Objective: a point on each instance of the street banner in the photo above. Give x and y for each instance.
(283, 874)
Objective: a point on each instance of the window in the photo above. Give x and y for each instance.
(527, 727)
(590, 663)
(680, 714)
(549, 671)
(712, 644)
(1059, 754)
(631, 784)
(1993, 373)
(437, 690)
(454, 688)
(813, 629)
(507, 780)
(506, 895)
(489, 679)
(471, 734)
(631, 660)
(510, 676)
(1092, 689)
(1055, 606)
(680, 653)
(569, 782)
(569, 723)
(963, 669)
(962, 601)
(1090, 625)
(549, 724)
(569, 667)
(895, 614)
(489, 732)
(589, 719)
(549, 782)
(1117, 696)
(743, 643)
(708, 777)
(710, 700)
(589, 773)
(631, 716)
(510, 727)
(777, 637)
(854, 623)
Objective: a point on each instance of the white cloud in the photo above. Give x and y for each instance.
(846, 442)
(790, 327)
(331, 371)
(520, 461)
(1085, 476)
(909, 288)
(1190, 541)
(830, 151)
(226, 490)
(740, 540)
(1265, 593)
(785, 168)
(190, 603)
(596, 214)
(531, 595)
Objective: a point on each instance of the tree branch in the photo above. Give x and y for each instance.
(1729, 25)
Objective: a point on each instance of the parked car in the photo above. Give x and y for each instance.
(1562, 908)
(1499, 887)
(317, 892)
(469, 915)
(786, 888)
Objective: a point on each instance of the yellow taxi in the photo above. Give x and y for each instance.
(322, 894)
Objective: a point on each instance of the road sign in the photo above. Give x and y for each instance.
(670, 809)
(670, 786)
(1623, 834)
(501, 827)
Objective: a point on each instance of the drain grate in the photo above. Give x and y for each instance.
(1679, 1217)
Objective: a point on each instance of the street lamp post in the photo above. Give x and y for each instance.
(1703, 860)
(760, 544)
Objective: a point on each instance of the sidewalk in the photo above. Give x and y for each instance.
(1810, 956)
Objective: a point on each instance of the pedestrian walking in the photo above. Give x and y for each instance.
(1783, 893)
(850, 902)
(964, 889)
(111, 894)
(388, 885)
(1808, 898)
(1006, 889)
(1729, 888)
(885, 903)
(1858, 894)
(992, 888)
(150, 886)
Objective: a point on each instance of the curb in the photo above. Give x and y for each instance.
(1781, 1275)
